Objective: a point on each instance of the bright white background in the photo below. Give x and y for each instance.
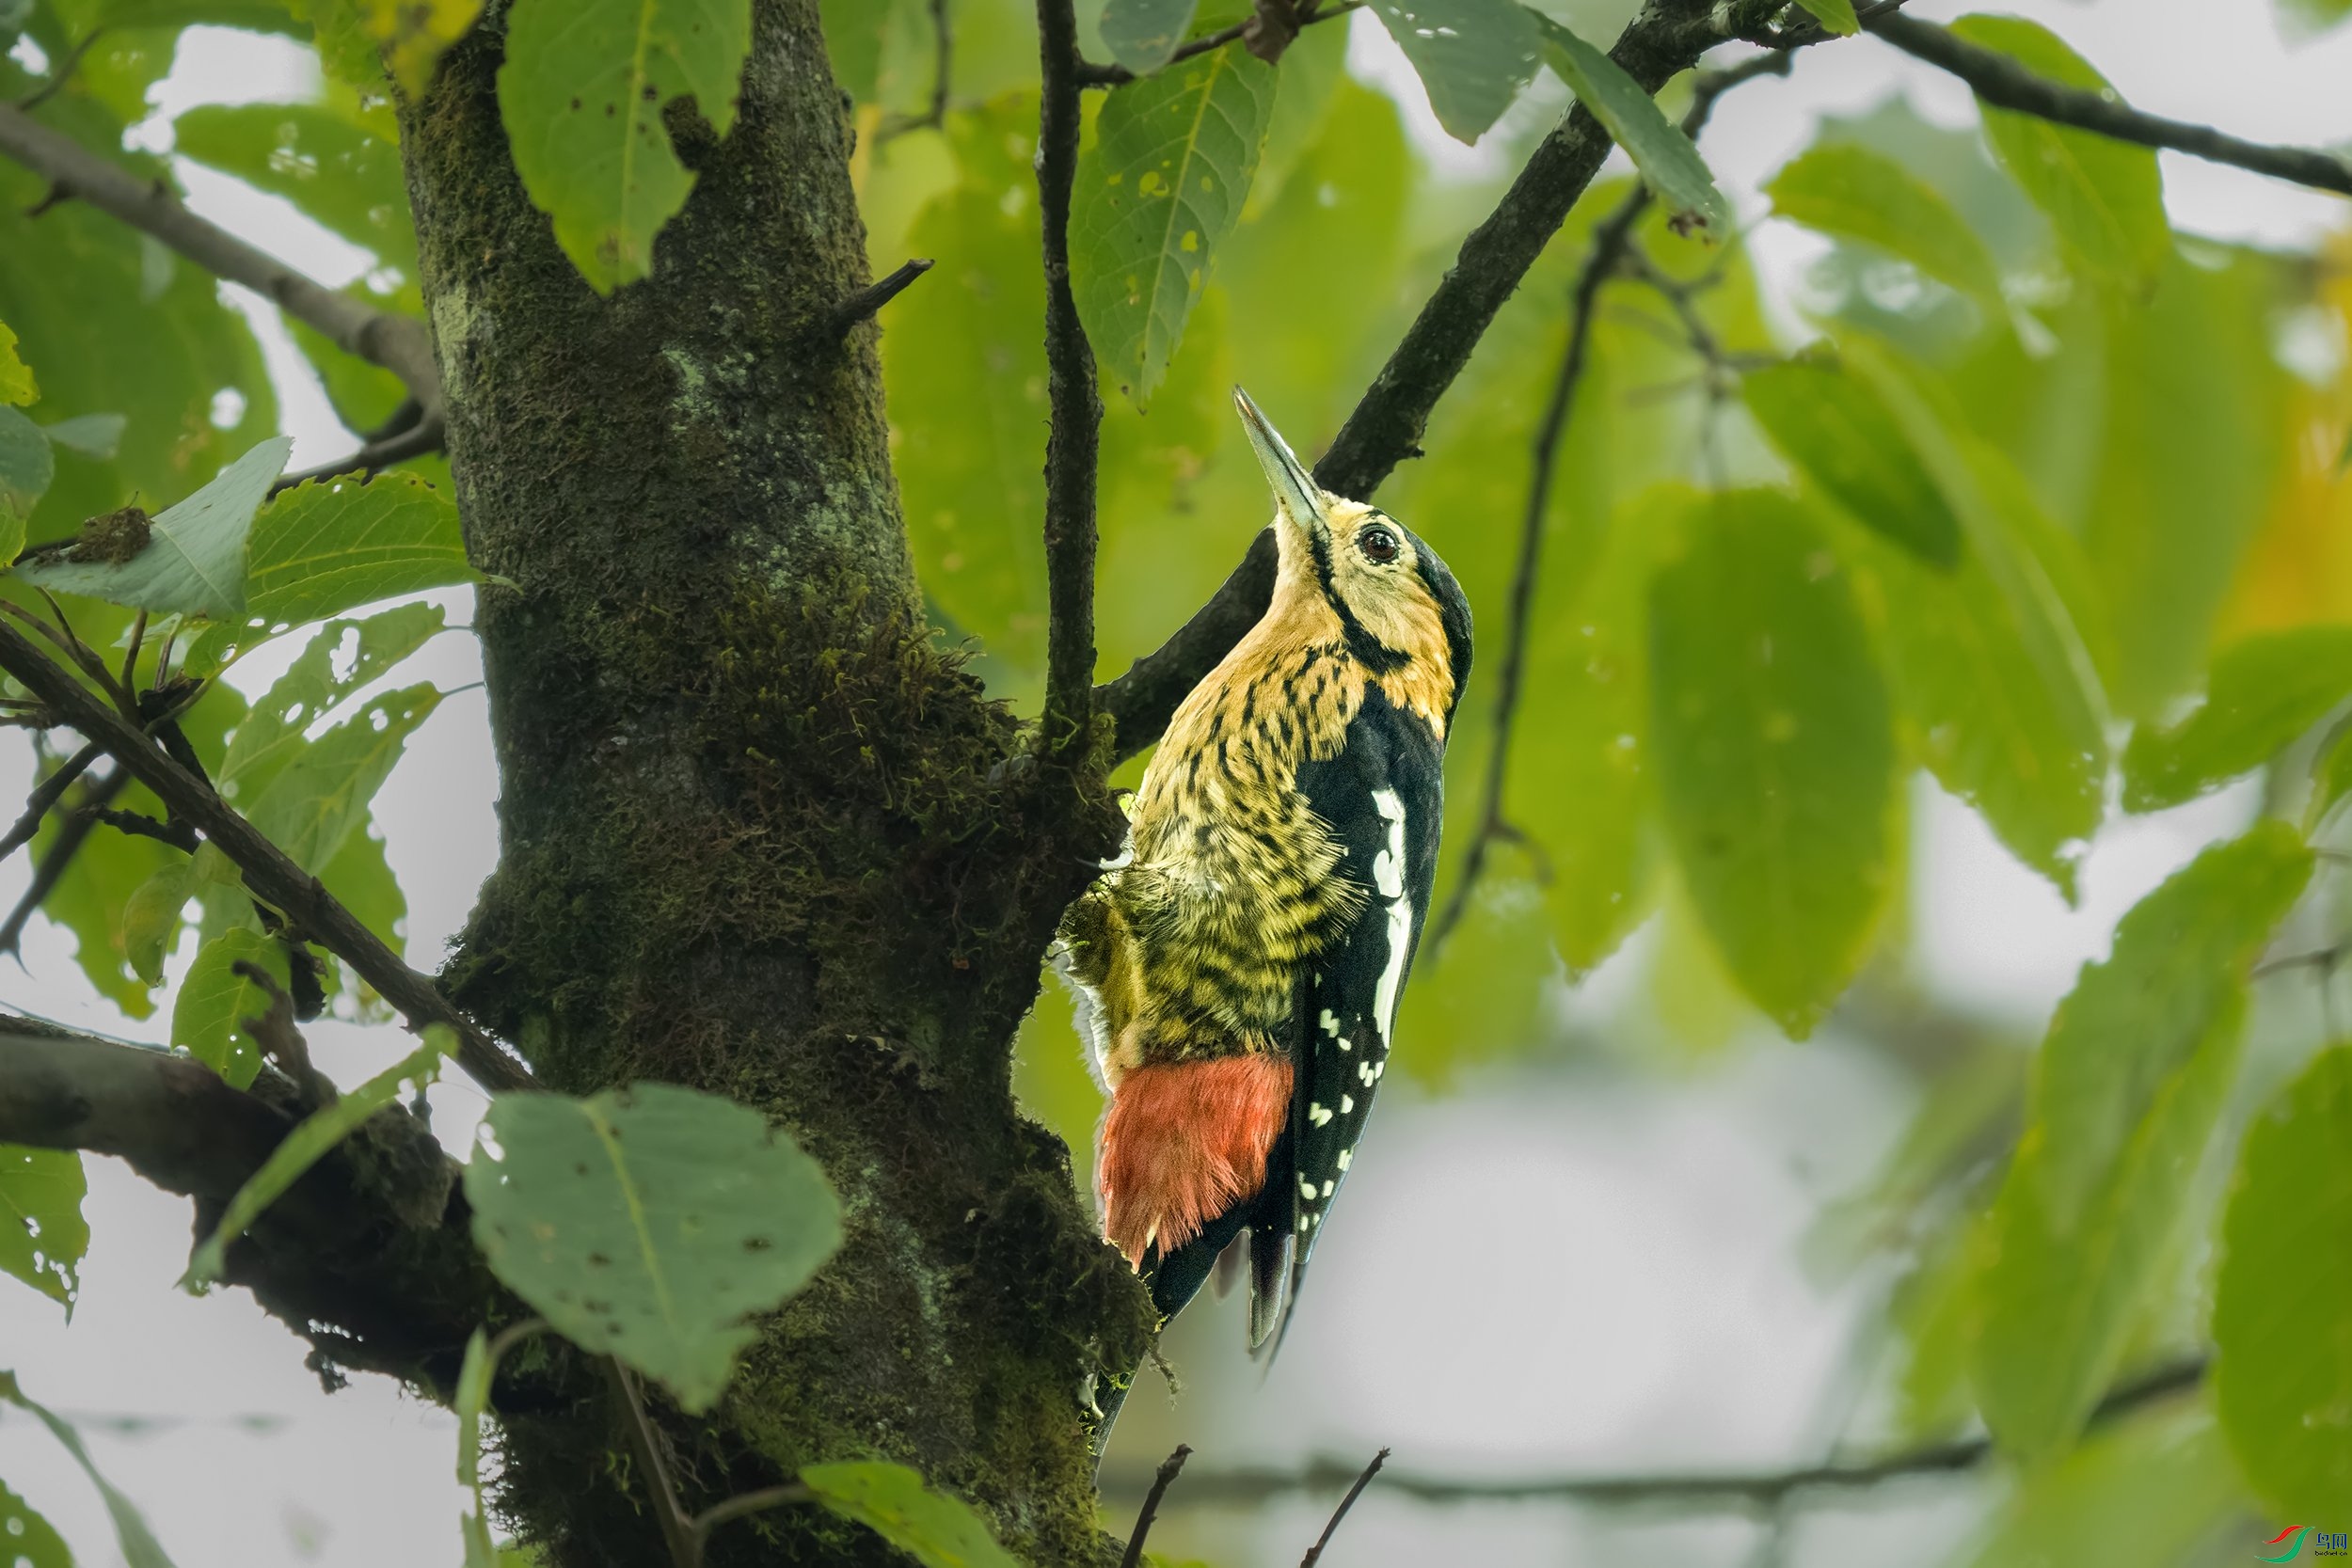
(1556, 1267)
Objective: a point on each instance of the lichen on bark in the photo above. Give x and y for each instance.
(760, 834)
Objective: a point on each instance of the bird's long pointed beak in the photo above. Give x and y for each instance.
(1293, 486)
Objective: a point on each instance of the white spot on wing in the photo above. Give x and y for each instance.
(1319, 1113)
(1347, 1104)
(1345, 1155)
(1388, 875)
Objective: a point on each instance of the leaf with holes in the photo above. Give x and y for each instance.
(583, 94)
(1472, 56)
(2104, 197)
(1162, 188)
(649, 1224)
(330, 545)
(42, 1234)
(1668, 160)
(935, 1529)
(322, 793)
(187, 560)
(1142, 34)
(207, 1017)
(32, 1541)
(1850, 192)
(2264, 694)
(344, 657)
(314, 1139)
(335, 168)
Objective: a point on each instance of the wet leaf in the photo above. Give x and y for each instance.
(42, 1234)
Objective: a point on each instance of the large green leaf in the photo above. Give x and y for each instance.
(333, 544)
(2282, 1307)
(42, 1234)
(1142, 34)
(188, 560)
(313, 1139)
(649, 1224)
(1775, 749)
(1472, 56)
(582, 92)
(965, 368)
(1665, 156)
(342, 659)
(2104, 197)
(334, 168)
(935, 1529)
(1841, 435)
(2262, 695)
(1156, 196)
(136, 1543)
(2146, 1494)
(1850, 192)
(33, 1541)
(321, 794)
(2126, 1094)
(208, 1019)
(1836, 15)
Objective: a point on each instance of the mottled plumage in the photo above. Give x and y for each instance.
(1238, 968)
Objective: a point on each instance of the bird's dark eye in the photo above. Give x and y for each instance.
(1379, 545)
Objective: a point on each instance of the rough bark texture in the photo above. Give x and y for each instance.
(761, 836)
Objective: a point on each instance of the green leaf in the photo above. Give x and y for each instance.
(582, 92)
(139, 1545)
(937, 1531)
(1142, 34)
(964, 370)
(1850, 192)
(2264, 694)
(26, 469)
(1775, 749)
(1836, 15)
(414, 34)
(16, 381)
(2104, 197)
(344, 657)
(649, 1224)
(259, 16)
(98, 435)
(332, 545)
(2331, 776)
(209, 1019)
(42, 1234)
(2317, 16)
(1472, 56)
(335, 169)
(321, 794)
(151, 919)
(1156, 196)
(2283, 1306)
(2146, 1491)
(855, 32)
(191, 561)
(313, 1139)
(33, 1541)
(1665, 156)
(1842, 437)
(2124, 1095)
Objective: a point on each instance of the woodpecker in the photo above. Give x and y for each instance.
(1237, 967)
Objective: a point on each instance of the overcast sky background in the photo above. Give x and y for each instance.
(1552, 1269)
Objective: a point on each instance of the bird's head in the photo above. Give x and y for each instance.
(1395, 600)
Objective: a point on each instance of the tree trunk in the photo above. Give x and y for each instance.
(761, 836)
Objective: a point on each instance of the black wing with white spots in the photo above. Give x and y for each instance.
(1383, 796)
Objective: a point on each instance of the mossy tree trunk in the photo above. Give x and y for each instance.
(761, 836)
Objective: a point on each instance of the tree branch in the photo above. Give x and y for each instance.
(1093, 76)
(2005, 83)
(943, 76)
(1072, 444)
(399, 343)
(268, 872)
(1314, 1553)
(1386, 424)
(1133, 1557)
(1739, 1490)
(74, 830)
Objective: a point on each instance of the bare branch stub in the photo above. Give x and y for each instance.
(1151, 1510)
(1314, 1553)
(1073, 442)
(2007, 84)
(872, 297)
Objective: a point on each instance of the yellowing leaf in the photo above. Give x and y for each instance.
(937, 1531)
(16, 380)
(415, 32)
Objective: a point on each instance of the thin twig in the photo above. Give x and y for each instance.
(139, 825)
(871, 298)
(1093, 76)
(268, 872)
(399, 343)
(742, 1505)
(1742, 1491)
(678, 1531)
(1073, 439)
(1150, 1508)
(1314, 1553)
(62, 74)
(428, 435)
(2005, 83)
(74, 830)
(45, 794)
(943, 74)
